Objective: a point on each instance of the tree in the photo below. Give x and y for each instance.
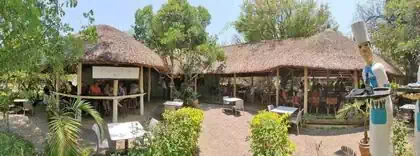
(177, 31)
(394, 29)
(282, 19)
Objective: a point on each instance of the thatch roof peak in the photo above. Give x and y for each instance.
(115, 47)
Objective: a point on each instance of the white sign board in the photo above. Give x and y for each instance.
(101, 72)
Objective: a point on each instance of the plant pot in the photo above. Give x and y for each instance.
(364, 148)
(196, 104)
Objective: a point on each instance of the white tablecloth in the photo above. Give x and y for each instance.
(284, 110)
(173, 103)
(125, 130)
(230, 100)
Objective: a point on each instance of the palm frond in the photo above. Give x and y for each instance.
(63, 134)
(351, 110)
(81, 105)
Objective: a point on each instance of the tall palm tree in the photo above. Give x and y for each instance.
(64, 127)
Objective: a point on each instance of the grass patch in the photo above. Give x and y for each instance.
(12, 144)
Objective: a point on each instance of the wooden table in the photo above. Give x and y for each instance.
(172, 105)
(231, 100)
(125, 131)
(284, 110)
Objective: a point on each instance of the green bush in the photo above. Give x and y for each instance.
(269, 135)
(178, 133)
(399, 138)
(11, 144)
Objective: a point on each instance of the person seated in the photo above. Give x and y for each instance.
(134, 89)
(95, 89)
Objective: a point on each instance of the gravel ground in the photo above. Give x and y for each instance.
(222, 134)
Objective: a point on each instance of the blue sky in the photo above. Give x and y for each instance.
(120, 13)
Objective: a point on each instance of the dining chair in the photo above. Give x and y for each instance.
(100, 143)
(297, 121)
(315, 101)
(270, 107)
(27, 106)
(152, 124)
(296, 102)
(331, 103)
(239, 105)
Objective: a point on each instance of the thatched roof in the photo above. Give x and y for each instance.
(115, 47)
(327, 50)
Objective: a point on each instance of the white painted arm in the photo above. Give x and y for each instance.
(380, 73)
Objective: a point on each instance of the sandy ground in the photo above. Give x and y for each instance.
(223, 133)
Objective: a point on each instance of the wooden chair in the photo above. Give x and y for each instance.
(315, 101)
(296, 102)
(297, 120)
(28, 107)
(100, 143)
(332, 102)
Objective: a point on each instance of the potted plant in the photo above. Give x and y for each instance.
(188, 95)
(358, 109)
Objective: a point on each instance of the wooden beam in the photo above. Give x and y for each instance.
(149, 85)
(355, 79)
(141, 84)
(277, 86)
(234, 85)
(115, 102)
(79, 86)
(305, 90)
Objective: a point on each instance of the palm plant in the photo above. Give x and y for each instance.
(356, 110)
(64, 127)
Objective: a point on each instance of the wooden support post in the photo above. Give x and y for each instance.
(79, 86)
(277, 86)
(141, 91)
(57, 89)
(195, 83)
(355, 79)
(115, 103)
(305, 91)
(234, 85)
(149, 85)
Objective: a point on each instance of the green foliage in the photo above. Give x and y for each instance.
(398, 36)
(178, 133)
(12, 144)
(399, 138)
(355, 110)
(187, 94)
(274, 19)
(178, 32)
(32, 34)
(269, 135)
(64, 128)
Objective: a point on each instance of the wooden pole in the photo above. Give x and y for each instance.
(79, 86)
(234, 85)
(141, 91)
(149, 85)
(115, 103)
(305, 91)
(277, 86)
(355, 79)
(195, 83)
(57, 89)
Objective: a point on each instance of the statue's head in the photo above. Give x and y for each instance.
(362, 39)
(366, 52)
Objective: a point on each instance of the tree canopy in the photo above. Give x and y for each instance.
(33, 34)
(282, 19)
(395, 31)
(178, 32)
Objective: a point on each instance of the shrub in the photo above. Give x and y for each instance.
(269, 135)
(12, 144)
(399, 138)
(178, 133)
